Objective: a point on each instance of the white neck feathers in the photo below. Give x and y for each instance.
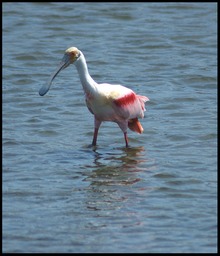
(87, 82)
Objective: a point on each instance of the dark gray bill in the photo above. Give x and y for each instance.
(45, 88)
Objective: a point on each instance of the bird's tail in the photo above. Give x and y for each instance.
(135, 125)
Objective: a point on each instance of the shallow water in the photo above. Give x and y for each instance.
(62, 195)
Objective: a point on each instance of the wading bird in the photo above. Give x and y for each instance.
(106, 102)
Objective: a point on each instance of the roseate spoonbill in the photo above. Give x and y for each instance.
(106, 102)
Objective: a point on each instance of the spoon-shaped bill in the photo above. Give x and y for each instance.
(45, 88)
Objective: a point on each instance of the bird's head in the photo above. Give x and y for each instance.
(71, 55)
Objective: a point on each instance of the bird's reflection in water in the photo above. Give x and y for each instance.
(112, 176)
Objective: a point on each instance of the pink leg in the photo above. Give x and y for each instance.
(95, 135)
(126, 139)
(124, 125)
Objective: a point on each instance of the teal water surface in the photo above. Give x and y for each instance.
(62, 195)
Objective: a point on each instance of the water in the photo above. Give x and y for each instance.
(60, 194)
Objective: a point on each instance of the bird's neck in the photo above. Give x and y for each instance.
(87, 82)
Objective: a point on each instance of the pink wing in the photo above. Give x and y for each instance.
(130, 105)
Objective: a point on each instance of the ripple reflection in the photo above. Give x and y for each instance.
(112, 174)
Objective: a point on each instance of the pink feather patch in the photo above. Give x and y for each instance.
(125, 100)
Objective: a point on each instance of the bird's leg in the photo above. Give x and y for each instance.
(124, 126)
(95, 135)
(126, 139)
(96, 129)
